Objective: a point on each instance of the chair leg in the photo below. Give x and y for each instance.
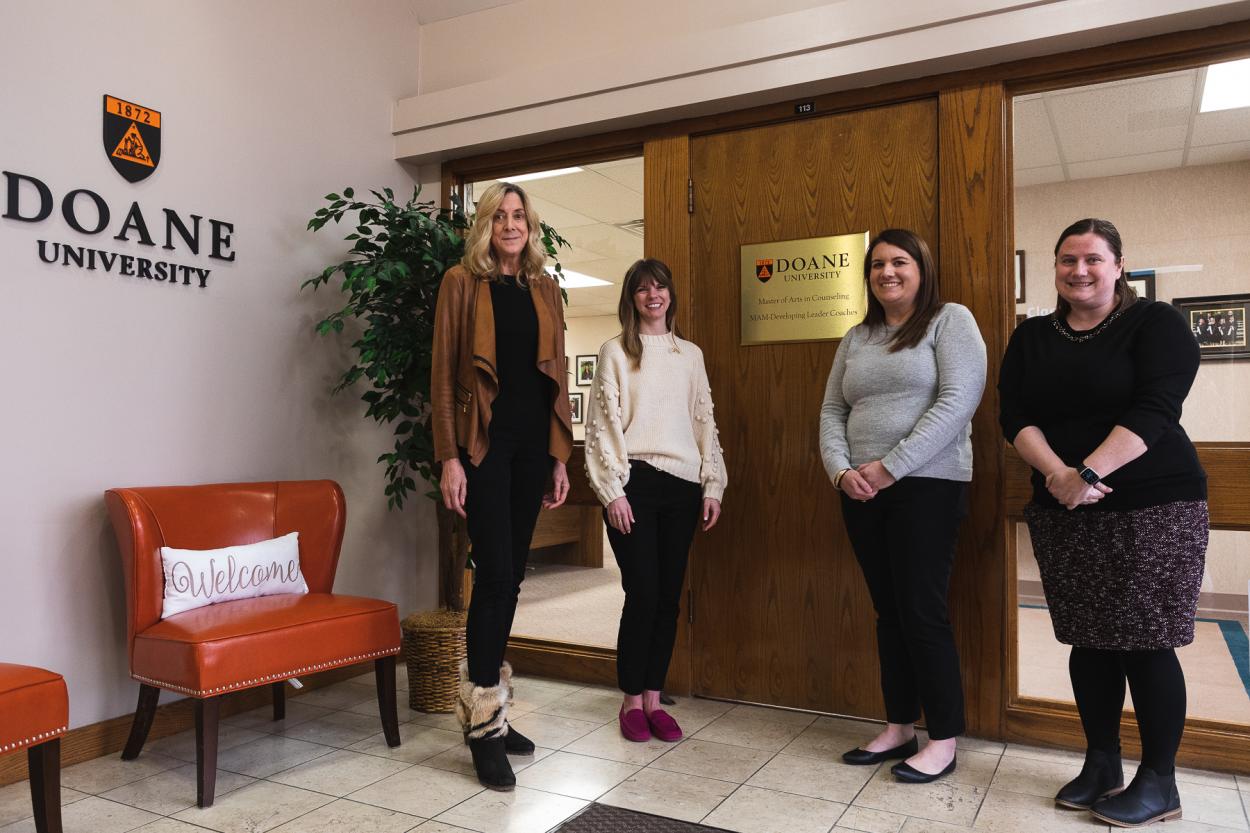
(384, 674)
(206, 713)
(44, 763)
(145, 713)
(279, 700)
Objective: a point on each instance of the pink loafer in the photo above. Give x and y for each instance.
(634, 725)
(663, 726)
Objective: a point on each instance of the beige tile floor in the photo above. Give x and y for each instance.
(744, 768)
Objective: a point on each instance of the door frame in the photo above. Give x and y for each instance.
(976, 239)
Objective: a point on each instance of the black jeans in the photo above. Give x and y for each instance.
(503, 497)
(904, 540)
(1158, 686)
(653, 559)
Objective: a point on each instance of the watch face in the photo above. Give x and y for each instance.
(1089, 476)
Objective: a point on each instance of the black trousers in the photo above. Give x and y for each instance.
(653, 559)
(1158, 686)
(503, 497)
(904, 540)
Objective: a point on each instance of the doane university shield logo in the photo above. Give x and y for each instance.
(132, 138)
(764, 269)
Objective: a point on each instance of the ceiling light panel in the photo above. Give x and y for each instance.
(1227, 86)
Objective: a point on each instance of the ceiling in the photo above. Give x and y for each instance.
(1124, 127)
(588, 209)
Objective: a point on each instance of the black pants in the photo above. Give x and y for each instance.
(653, 559)
(904, 539)
(504, 496)
(1158, 686)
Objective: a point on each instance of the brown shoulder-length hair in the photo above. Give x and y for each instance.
(1125, 295)
(647, 270)
(927, 302)
(479, 258)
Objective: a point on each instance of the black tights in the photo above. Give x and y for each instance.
(1158, 686)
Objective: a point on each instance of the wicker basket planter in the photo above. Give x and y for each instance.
(433, 651)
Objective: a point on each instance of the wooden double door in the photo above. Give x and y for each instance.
(780, 611)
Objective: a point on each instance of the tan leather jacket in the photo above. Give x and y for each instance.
(463, 379)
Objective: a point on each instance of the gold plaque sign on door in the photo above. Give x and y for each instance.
(802, 290)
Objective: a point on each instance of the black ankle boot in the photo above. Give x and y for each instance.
(1150, 798)
(1101, 776)
(490, 762)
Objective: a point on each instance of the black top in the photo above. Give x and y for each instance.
(1135, 372)
(522, 410)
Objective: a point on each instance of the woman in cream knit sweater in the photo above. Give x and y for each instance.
(654, 461)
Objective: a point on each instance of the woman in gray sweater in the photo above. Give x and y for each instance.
(895, 436)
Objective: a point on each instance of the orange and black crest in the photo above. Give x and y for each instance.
(132, 138)
(764, 269)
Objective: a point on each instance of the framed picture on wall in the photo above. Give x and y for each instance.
(1019, 276)
(586, 367)
(1218, 322)
(575, 404)
(1143, 282)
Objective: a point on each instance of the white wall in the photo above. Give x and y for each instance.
(113, 381)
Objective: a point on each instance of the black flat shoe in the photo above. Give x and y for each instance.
(1102, 776)
(862, 757)
(908, 774)
(1150, 798)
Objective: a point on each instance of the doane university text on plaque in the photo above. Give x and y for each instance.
(803, 290)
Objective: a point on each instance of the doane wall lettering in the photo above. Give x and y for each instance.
(132, 145)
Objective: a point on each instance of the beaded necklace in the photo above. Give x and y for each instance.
(1066, 333)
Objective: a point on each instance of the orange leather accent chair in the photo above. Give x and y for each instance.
(211, 651)
(34, 713)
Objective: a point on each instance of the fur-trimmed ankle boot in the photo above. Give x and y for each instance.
(483, 712)
(514, 742)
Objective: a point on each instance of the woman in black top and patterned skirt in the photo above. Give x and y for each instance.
(1091, 398)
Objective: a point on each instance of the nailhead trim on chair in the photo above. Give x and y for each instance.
(321, 666)
(37, 739)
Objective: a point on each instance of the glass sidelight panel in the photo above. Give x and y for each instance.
(1172, 176)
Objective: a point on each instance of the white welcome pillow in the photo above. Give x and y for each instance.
(195, 578)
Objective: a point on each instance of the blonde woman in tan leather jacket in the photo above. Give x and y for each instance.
(502, 432)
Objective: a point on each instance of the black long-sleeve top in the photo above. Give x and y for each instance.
(1135, 373)
(522, 409)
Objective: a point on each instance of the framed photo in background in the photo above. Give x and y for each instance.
(586, 367)
(1218, 323)
(1143, 281)
(1019, 276)
(575, 405)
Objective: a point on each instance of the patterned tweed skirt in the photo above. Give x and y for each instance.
(1123, 581)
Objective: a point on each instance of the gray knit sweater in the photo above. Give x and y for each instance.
(911, 410)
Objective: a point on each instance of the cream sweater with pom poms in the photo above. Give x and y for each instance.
(660, 413)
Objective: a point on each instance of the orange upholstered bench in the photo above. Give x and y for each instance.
(34, 713)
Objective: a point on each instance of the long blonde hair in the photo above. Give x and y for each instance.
(648, 270)
(479, 258)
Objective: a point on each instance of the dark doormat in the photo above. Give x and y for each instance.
(602, 818)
